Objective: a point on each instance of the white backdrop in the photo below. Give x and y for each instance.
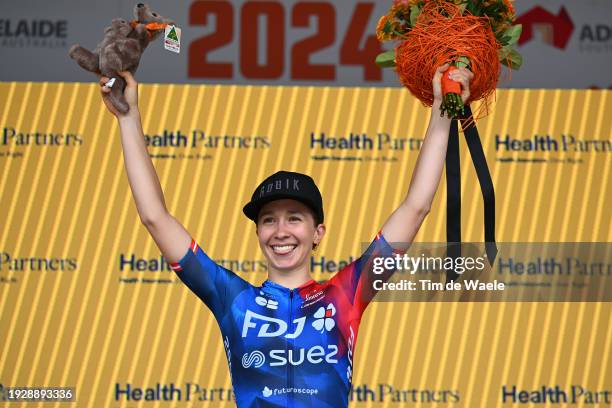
(265, 42)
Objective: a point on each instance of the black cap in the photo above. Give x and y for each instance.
(286, 184)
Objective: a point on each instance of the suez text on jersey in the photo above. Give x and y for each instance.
(273, 327)
(295, 357)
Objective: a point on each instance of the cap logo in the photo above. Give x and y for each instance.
(285, 184)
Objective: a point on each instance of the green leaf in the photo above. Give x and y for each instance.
(509, 57)
(504, 40)
(415, 12)
(463, 62)
(386, 59)
(513, 33)
(503, 52)
(387, 27)
(490, 11)
(473, 8)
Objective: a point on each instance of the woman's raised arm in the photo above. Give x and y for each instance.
(170, 236)
(404, 223)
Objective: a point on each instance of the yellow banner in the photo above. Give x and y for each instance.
(87, 302)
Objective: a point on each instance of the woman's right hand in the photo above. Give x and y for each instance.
(130, 93)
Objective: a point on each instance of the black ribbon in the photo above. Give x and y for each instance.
(453, 189)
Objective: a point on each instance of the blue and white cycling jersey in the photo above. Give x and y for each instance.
(286, 347)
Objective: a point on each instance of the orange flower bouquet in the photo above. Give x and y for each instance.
(475, 34)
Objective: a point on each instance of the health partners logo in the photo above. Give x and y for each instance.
(21, 33)
(548, 394)
(18, 138)
(10, 263)
(391, 394)
(350, 144)
(199, 139)
(186, 392)
(549, 146)
(138, 269)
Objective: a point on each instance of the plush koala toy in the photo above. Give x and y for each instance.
(121, 49)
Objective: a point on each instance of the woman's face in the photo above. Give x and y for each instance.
(286, 231)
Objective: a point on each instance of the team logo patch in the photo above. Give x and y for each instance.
(270, 326)
(266, 302)
(255, 358)
(324, 318)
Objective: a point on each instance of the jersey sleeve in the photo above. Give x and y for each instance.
(356, 279)
(205, 278)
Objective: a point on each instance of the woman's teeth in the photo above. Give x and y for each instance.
(282, 249)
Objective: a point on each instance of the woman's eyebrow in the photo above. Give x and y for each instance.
(270, 213)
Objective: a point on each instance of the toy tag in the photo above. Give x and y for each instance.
(110, 83)
(172, 39)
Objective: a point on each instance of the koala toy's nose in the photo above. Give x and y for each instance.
(140, 5)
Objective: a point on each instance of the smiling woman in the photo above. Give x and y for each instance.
(287, 232)
(289, 341)
(287, 209)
